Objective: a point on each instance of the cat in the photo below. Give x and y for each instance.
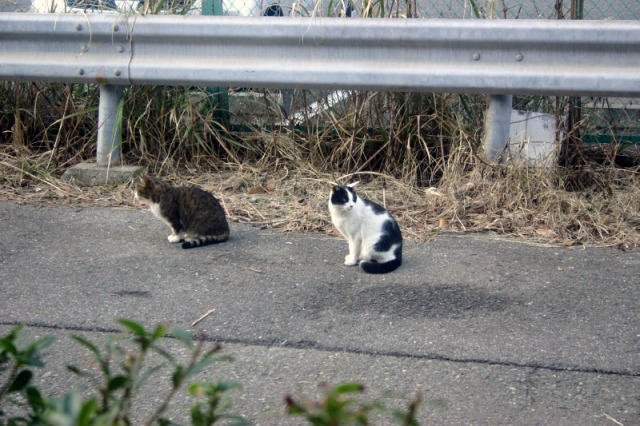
(374, 237)
(194, 215)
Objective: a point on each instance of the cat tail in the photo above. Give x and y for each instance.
(205, 240)
(380, 268)
(383, 268)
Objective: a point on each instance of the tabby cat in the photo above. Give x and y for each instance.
(375, 240)
(194, 215)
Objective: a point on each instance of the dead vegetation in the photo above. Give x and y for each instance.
(416, 154)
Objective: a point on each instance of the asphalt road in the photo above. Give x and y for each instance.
(490, 331)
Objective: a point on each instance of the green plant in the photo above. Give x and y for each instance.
(214, 408)
(15, 361)
(124, 370)
(120, 382)
(340, 407)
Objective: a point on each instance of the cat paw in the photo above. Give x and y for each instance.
(174, 238)
(350, 261)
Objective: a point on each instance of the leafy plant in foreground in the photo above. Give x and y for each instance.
(339, 407)
(124, 370)
(119, 385)
(213, 410)
(15, 360)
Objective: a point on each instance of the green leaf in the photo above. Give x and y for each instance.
(348, 388)
(197, 418)
(76, 370)
(145, 376)
(133, 327)
(10, 338)
(225, 386)
(87, 412)
(195, 388)
(295, 410)
(199, 366)
(159, 332)
(64, 410)
(178, 376)
(71, 402)
(35, 399)
(7, 346)
(86, 343)
(21, 381)
(164, 354)
(104, 366)
(117, 382)
(183, 336)
(30, 355)
(39, 344)
(107, 418)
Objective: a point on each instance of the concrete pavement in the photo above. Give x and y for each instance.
(491, 331)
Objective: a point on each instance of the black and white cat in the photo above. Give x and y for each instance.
(374, 237)
(194, 215)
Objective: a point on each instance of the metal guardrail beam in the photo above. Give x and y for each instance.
(581, 58)
(498, 57)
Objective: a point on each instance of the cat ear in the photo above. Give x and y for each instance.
(148, 180)
(335, 189)
(351, 185)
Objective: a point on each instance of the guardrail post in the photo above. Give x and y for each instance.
(497, 121)
(218, 96)
(109, 127)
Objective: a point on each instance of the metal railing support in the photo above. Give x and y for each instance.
(109, 125)
(218, 96)
(497, 120)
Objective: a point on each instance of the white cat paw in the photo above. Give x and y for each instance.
(350, 261)
(174, 238)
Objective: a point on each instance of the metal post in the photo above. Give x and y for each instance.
(496, 124)
(109, 129)
(575, 104)
(218, 96)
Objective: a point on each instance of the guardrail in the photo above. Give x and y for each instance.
(496, 57)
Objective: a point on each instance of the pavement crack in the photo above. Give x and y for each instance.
(312, 345)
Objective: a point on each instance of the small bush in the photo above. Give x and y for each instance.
(124, 370)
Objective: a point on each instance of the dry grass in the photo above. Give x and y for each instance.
(416, 154)
(523, 204)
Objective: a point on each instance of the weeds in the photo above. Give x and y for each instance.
(124, 369)
(339, 407)
(15, 364)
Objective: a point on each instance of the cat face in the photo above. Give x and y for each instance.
(343, 197)
(149, 188)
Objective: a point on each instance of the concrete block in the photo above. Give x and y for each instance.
(532, 137)
(90, 174)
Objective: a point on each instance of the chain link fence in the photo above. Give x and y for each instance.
(601, 119)
(458, 9)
